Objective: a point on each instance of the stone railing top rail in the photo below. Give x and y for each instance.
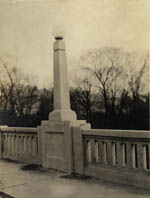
(117, 133)
(18, 129)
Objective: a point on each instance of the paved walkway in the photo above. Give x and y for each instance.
(48, 184)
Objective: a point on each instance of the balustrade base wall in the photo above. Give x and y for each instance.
(114, 155)
(141, 180)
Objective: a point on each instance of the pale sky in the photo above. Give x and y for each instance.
(26, 29)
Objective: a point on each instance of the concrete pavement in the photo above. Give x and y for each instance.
(42, 183)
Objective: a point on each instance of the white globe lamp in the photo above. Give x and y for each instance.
(58, 33)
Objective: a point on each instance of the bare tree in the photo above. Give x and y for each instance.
(138, 67)
(45, 103)
(107, 67)
(122, 82)
(82, 97)
(18, 94)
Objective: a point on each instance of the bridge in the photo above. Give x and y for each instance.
(69, 145)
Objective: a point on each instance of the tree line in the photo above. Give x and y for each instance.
(110, 90)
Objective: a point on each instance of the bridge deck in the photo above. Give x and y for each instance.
(43, 183)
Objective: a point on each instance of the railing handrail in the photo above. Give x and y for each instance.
(117, 133)
(18, 129)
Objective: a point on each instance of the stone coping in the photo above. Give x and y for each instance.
(117, 133)
(17, 129)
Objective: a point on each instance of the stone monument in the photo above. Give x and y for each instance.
(56, 133)
(62, 111)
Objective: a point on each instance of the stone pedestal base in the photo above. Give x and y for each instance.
(67, 115)
(63, 115)
(57, 143)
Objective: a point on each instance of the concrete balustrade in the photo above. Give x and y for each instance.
(118, 156)
(110, 151)
(20, 144)
(113, 155)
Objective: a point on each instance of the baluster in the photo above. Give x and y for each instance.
(36, 145)
(8, 145)
(145, 157)
(7, 149)
(4, 143)
(133, 156)
(21, 144)
(17, 140)
(109, 151)
(88, 151)
(15, 146)
(123, 148)
(100, 151)
(148, 156)
(129, 154)
(33, 145)
(104, 152)
(25, 144)
(30, 144)
(96, 151)
(119, 153)
(114, 158)
(93, 150)
(140, 155)
(136, 156)
(12, 143)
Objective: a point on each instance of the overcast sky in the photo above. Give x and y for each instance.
(26, 29)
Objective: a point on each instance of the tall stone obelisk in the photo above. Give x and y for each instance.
(56, 134)
(62, 111)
